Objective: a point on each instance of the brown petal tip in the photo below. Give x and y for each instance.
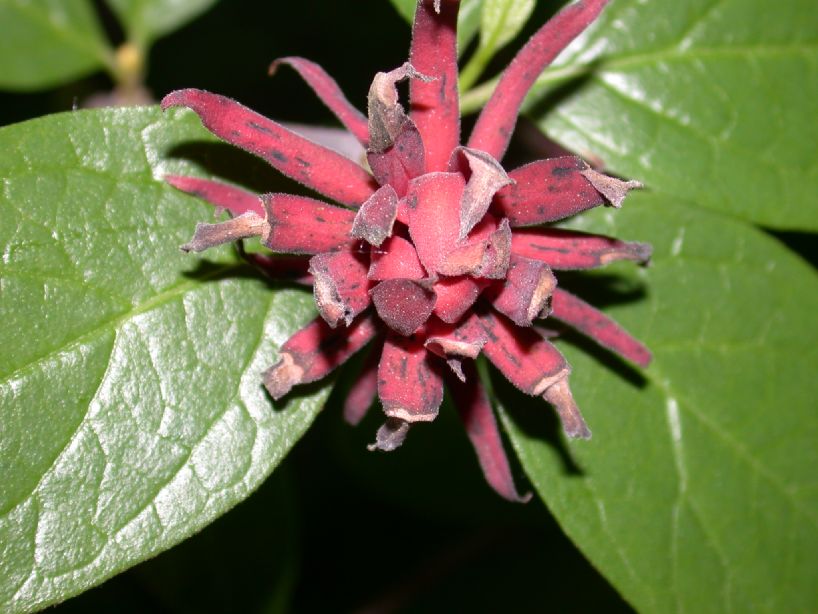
(559, 395)
(390, 436)
(613, 189)
(281, 377)
(374, 221)
(210, 235)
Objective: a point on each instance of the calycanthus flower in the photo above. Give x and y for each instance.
(436, 254)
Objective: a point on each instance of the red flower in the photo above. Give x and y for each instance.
(429, 262)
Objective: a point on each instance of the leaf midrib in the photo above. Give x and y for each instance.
(111, 324)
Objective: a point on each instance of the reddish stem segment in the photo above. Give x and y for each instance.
(301, 225)
(566, 249)
(229, 197)
(474, 409)
(495, 124)
(591, 322)
(435, 107)
(409, 386)
(314, 351)
(329, 93)
(546, 191)
(317, 167)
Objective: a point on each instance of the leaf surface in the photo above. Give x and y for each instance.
(130, 389)
(48, 42)
(147, 20)
(698, 491)
(712, 101)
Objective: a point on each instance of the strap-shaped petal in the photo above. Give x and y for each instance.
(546, 191)
(567, 249)
(591, 322)
(314, 351)
(409, 385)
(329, 93)
(496, 122)
(222, 195)
(317, 167)
(364, 389)
(301, 225)
(475, 411)
(435, 108)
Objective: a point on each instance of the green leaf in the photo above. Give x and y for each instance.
(698, 492)
(705, 100)
(130, 394)
(147, 20)
(500, 22)
(48, 42)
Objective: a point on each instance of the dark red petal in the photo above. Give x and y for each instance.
(454, 342)
(409, 386)
(395, 152)
(434, 216)
(591, 322)
(330, 94)
(403, 304)
(229, 197)
(400, 163)
(301, 225)
(546, 191)
(526, 291)
(340, 285)
(317, 167)
(374, 220)
(496, 122)
(396, 258)
(527, 360)
(314, 351)
(282, 268)
(474, 409)
(210, 235)
(435, 107)
(455, 296)
(566, 249)
(488, 258)
(364, 388)
(485, 177)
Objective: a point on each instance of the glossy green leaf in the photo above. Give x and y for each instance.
(130, 398)
(698, 491)
(500, 22)
(147, 20)
(713, 101)
(48, 42)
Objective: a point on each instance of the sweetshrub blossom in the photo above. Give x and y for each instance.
(437, 253)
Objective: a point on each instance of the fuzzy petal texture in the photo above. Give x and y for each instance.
(494, 126)
(325, 171)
